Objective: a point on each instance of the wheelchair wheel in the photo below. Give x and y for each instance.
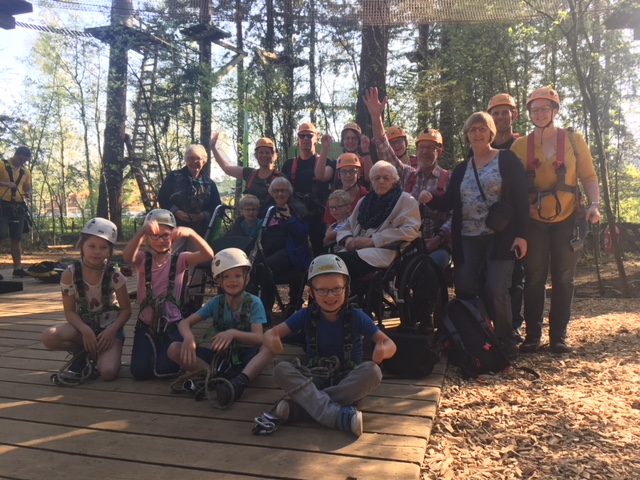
(419, 290)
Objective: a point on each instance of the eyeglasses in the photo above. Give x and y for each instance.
(541, 111)
(473, 131)
(429, 148)
(193, 158)
(164, 237)
(280, 190)
(350, 138)
(397, 141)
(249, 209)
(324, 292)
(338, 207)
(382, 178)
(307, 136)
(348, 172)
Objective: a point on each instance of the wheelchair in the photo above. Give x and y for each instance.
(412, 288)
(201, 285)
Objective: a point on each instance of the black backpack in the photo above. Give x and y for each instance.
(469, 340)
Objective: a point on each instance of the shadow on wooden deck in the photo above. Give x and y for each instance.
(130, 429)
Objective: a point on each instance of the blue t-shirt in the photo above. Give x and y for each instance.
(331, 334)
(232, 319)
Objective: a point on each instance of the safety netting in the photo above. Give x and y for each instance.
(365, 12)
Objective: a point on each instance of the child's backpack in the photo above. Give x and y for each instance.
(469, 340)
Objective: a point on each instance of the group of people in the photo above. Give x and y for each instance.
(96, 307)
(506, 213)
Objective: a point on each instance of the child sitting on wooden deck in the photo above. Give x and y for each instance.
(96, 306)
(238, 318)
(333, 330)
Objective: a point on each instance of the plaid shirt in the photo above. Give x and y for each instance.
(433, 221)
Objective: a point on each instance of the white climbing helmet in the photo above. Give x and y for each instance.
(227, 259)
(103, 228)
(327, 264)
(162, 217)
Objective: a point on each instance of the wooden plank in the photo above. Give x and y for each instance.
(152, 398)
(228, 458)
(219, 430)
(34, 464)
(121, 416)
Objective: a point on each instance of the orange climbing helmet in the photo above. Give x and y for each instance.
(353, 126)
(544, 93)
(395, 132)
(348, 160)
(430, 134)
(502, 99)
(265, 142)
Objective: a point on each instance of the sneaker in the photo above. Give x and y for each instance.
(289, 411)
(530, 345)
(559, 346)
(517, 335)
(349, 420)
(20, 273)
(231, 391)
(225, 393)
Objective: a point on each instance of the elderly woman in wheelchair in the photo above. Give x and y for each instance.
(284, 243)
(382, 220)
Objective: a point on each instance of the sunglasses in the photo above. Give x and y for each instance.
(307, 136)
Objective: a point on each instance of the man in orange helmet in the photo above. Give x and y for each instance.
(502, 107)
(504, 110)
(313, 192)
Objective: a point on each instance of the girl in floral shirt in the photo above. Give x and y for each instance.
(96, 304)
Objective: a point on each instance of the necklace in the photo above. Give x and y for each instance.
(90, 267)
(160, 264)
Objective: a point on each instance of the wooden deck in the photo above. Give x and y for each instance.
(130, 429)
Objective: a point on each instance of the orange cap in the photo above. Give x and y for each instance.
(265, 142)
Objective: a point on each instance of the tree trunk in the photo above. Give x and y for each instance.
(288, 106)
(373, 70)
(313, 94)
(205, 88)
(447, 116)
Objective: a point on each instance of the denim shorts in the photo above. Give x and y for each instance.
(119, 334)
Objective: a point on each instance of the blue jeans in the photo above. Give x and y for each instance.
(467, 279)
(149, 359)
(549, 245)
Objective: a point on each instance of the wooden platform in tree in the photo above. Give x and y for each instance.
(130, 429)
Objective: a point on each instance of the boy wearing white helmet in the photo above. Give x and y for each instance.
(160, 282)
(96, 306)
(332, 329)
(238, 319)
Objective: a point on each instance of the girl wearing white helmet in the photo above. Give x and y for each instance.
(331, 328)
(238, 319)
(160, 286)
(96, 305)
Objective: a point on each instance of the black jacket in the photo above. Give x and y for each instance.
(514, 192)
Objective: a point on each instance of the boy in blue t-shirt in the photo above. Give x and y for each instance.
(238, 319)
(331, 328)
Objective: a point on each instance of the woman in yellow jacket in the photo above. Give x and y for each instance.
(554, 160)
